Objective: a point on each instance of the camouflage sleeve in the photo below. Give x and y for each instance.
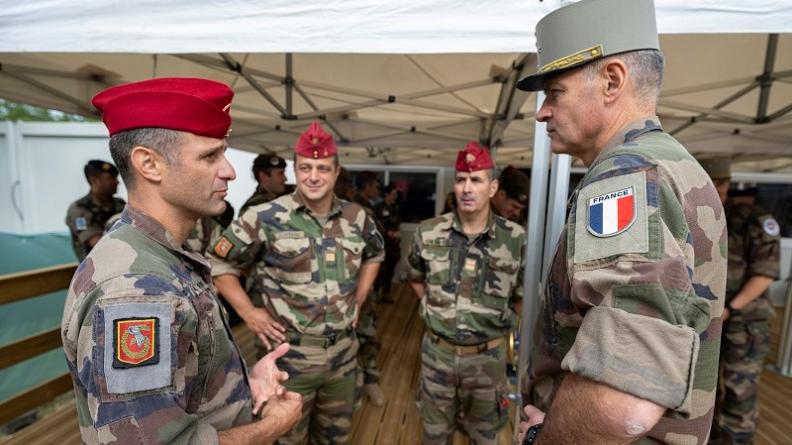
(135, 356)
(764, 247)
(82, 223)
(627, 245)
(416, 267)
(238, 246)
(374, 252)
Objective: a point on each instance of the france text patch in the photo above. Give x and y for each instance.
(611, 213)
(135, 342)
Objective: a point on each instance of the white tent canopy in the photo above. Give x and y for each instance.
(398, 83)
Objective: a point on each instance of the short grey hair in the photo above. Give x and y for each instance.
(164, 141)
(646, 67)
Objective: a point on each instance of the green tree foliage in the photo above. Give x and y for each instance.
(14, 111)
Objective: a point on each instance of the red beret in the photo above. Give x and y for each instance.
(198, 106)
(315, 143)
(473, 158)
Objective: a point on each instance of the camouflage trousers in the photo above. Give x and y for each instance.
(326, 379)
(744, 346)
(369, 345)
(466, 390)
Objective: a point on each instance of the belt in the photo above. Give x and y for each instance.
(464, 349)
(321, 341)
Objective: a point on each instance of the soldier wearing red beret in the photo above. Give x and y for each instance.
(466, 266)
(151, 355)
(314, 259)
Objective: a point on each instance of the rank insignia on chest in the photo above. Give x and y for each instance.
(135, 342)
(611, 213)
(470, 264)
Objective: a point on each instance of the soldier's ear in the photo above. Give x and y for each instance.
(615, 74)
(147, 163)
(493, 188)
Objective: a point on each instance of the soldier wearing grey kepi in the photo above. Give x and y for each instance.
(147, 344)
(466, 267)
(754, 250)
(314, 259)
(88, 215)
(628, 330)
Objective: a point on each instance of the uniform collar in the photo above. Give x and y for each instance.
(153, 229)
(633, 130)
(456, 224)
(299, 204)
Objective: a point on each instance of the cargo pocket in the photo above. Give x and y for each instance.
(498, 281)
(289, 260)
(438, 275)
(353, 255)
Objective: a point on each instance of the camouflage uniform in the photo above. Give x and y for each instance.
(305, 277)
(639, 309)
(390, 217)
(151, 355)
(754, 249)
(86, 218)
(260, 196)
(471, 288)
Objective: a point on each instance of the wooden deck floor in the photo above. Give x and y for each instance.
(397, 423)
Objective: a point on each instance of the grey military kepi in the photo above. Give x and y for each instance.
(579, 33)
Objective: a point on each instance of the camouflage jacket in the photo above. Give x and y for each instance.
(148, 347)
(754, 249)
(471, 285)
(305, 272)
(635, 292)
(260, 196)
(86, 218)
(388, 215)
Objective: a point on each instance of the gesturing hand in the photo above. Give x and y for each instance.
(266, 378)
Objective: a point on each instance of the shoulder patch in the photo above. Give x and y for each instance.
(80, 223)
(223, 246)
(135, 342)
(611, 218)
(771, 227)
(611, 213)
(137, 346)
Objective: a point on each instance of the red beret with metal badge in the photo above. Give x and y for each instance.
(195, 105)
(473, 158)
(315, 143)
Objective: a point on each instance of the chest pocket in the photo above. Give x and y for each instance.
(289, 260)
(438, 263)
(498, 280)
(353, 255)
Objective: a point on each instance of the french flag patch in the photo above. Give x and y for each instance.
(612, 213)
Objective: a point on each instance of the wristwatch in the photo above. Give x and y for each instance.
(733, 310)
(531, 434)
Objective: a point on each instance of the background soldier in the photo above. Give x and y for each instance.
(368, 190)
(754, 249)
(269, 170)
(315, 259)
(87, 216)
(388, 212)
(511, 199)
(345, 185)
(467, 269)
(152, 357)
(633, 298)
